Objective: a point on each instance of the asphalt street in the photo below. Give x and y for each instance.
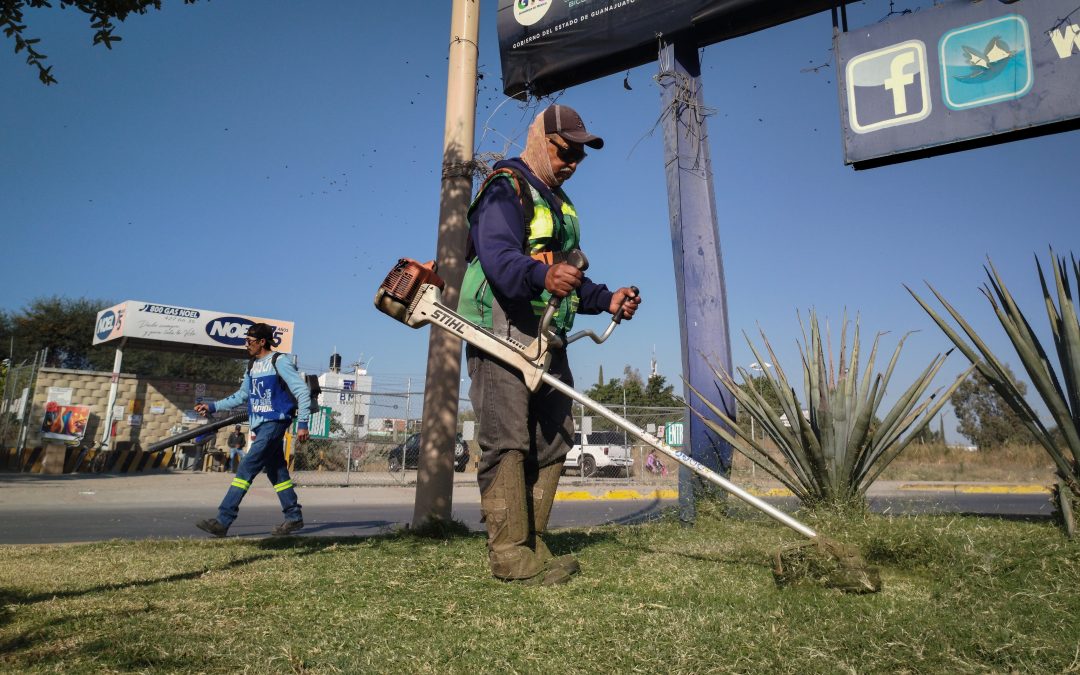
(80, 508)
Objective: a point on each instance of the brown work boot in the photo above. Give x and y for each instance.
(212, 526)
(541, 497)
(506, 517)
(287, 528)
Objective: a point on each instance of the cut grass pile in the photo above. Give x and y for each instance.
(961, 594)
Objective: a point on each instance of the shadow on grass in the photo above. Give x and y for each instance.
(563, 542)
(9, 597)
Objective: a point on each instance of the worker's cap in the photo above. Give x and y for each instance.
(564, 120)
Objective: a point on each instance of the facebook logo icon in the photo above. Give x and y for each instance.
(888, 87)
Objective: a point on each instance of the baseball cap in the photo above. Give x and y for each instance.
(261, 331)
(564, 120)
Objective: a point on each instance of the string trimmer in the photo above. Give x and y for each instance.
(412, 294)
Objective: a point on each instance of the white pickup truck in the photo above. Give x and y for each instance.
(602, 452)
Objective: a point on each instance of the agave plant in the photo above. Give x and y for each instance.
(1061, 396)
(836, 449)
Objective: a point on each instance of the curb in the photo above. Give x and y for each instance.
(968, 488)
(961, 488)
(627, 494)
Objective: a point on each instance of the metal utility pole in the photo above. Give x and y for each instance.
(435, 474)
(695, 246)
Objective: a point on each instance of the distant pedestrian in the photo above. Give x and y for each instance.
(275, 393)
(236, 448)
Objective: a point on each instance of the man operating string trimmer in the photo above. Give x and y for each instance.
(524, 264)
(522, 225)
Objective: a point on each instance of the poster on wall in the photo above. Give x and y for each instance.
(59, 395)
(64, 422)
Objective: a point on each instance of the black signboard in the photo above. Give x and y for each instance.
(548, 45)
(958, 75)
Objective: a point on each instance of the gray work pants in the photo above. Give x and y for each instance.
(512, 419)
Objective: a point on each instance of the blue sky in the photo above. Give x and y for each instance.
(276, 159)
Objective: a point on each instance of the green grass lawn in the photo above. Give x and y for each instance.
(962, 594)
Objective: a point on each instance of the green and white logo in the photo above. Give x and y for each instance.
(528, 12)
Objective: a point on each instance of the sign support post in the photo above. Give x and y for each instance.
(106, 434)
(695, 247)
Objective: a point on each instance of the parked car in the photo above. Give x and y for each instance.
(411, 450)
(603, 452)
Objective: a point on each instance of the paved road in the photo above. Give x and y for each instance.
(57, 509)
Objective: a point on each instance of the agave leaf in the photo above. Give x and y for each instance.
(739, 439)
(907, 409)
(858, 445)
(877, 467)
(1033, 355)
(1066, 329)
(1034, 359)
(907, 400)
(757, 456)
(1035, 362)
(988, 364)
(891, 367)
(786, 442)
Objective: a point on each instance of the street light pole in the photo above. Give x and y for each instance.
(758, 368)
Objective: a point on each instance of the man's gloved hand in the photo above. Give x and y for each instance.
(561, 278)
(627, 299)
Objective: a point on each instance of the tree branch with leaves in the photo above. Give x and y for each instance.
(101, 14)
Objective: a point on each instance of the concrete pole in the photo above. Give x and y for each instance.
(106, 435)
(435, 474)
(699, 269)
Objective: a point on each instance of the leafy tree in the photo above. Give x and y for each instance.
(65, 326)
(928, 436)
(5, 341)
(100, 14)
(655, 393)
(984, 416)
(659, 393)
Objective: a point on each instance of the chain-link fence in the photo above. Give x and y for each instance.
(604, 453)
(375, 440)
(16, 405)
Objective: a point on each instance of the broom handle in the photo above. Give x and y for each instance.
(692, 464)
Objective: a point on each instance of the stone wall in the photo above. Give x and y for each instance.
(151, 407)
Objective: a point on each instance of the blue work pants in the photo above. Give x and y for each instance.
(267, 453)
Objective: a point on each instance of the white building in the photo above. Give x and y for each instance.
(348, 395)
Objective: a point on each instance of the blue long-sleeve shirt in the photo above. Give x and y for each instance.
(498, 238)
(267, 400)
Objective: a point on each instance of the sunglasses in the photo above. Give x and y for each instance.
(568, 154)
